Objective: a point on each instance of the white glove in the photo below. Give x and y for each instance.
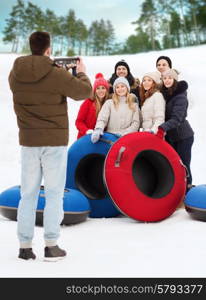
(89, 131)
(96, 135)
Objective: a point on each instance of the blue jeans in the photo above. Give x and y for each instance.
(48, 163)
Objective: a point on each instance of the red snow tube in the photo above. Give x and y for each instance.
(144, 176)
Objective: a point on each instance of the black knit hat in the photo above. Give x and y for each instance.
(129, 76)
(122, 63)
(165, 58)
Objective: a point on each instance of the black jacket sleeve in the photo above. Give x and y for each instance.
(178, 112)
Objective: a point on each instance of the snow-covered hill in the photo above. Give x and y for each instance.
(116, 247)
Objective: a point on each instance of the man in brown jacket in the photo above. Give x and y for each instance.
(39, 91)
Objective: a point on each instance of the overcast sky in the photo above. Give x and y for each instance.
(120, 12)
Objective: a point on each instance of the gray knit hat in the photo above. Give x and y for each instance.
(123, 80)
(172, 73)
(156, 76)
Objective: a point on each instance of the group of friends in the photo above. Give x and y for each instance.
(119, 105)
(158, 104)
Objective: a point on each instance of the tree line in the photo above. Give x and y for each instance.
(168, 24)
(161, 25)
(69, 34)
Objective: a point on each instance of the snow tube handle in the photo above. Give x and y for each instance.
(119, 156)
(106, 141)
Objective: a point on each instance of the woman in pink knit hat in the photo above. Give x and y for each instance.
(90, 108)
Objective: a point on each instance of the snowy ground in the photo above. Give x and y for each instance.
(115, 247)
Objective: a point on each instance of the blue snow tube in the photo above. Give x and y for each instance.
(85, 172)
(195, 202)
(75, 204)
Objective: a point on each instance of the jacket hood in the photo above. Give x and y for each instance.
(182, 86)
(32, 68)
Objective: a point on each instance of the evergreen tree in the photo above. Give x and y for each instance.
(137, 43)
(164, 10)
(165, 24)
(82, 34)
(70, 28)
(201, 19)
(51, 24)
(62, 36)
(94, 42)
(175, 25)
(110, 37)
(148, 19)
(33, 18)
(194, 6)
(15, 29)
(101, 37)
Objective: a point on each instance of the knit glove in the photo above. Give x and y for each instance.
(89, 131)
(96, 135)
(161, 133)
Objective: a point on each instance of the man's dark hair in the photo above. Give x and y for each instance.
(39, 41)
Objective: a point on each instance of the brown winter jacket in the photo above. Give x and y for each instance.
(39, 94)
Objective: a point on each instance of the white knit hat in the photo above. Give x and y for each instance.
(123, 80)
(172, 73)
(156, 76)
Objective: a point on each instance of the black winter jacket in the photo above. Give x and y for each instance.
(176, 125)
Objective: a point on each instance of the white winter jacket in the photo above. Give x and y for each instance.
(153, 112)
(120, 120)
